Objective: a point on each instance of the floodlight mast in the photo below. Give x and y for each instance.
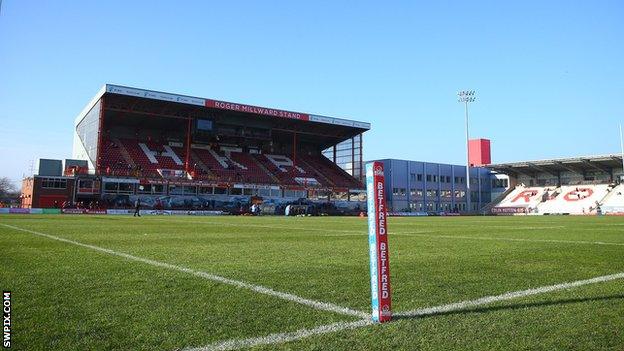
(467, 96)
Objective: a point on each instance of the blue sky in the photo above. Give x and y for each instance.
(549, 75)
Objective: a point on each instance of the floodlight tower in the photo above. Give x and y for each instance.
(467, 96)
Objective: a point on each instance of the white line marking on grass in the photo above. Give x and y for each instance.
(581, 242)
(278, 338)
(235, 344)
(506, 296)
(485, 226)
(324, 306)
(363, 231)
(391, 234)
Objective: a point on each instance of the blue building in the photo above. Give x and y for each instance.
(414, 186)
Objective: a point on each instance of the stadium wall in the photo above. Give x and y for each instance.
(416, 186)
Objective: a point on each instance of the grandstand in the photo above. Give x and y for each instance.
(580, 185)
(169, 149)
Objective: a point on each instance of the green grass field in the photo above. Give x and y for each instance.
(71, 297)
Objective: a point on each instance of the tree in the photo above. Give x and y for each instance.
(7, 186)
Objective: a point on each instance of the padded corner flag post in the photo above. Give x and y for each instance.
(378, 243)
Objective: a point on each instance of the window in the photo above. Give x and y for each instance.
(398, 191)
(220, 191)
(182, 190)
(419, 177)
(54, 183)
(151, 189)
(416, 192)
(206, 190)
(432, 193)
(340, 195)
(88, 131)
(428, 177)
(500, 183)
(236, 191)
(448, 179)
(412, 177)
(357, 196)
(346, 153)
(435, 178)
(111, 187)
(126, 188)
(121, 188)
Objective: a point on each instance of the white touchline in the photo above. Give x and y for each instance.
(324, 306)
(507, 296)
(235, 344)
(363, 231)
(508, 239)
(487, 226)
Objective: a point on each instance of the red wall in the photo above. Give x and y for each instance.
(35, 196)
(479, 152)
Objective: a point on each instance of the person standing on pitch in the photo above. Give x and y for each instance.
(137, 208)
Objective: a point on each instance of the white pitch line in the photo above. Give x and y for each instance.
(278, 338)
(363, 231)
(581, 242)
(533, 227)
(324, 306)
(506, 296)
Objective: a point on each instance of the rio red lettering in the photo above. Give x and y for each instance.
(578, 194)
(526, 195)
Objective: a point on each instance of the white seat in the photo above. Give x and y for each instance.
(575, 199)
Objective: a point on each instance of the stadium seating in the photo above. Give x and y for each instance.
(144, 158)
(523, 196)
(575, 199)
(233, 166)
(569, 199)
(112, 161)
(613, 202)
(151, 156)
(331, 171)
(284, 168)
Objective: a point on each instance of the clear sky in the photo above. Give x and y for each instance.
(549, 75)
